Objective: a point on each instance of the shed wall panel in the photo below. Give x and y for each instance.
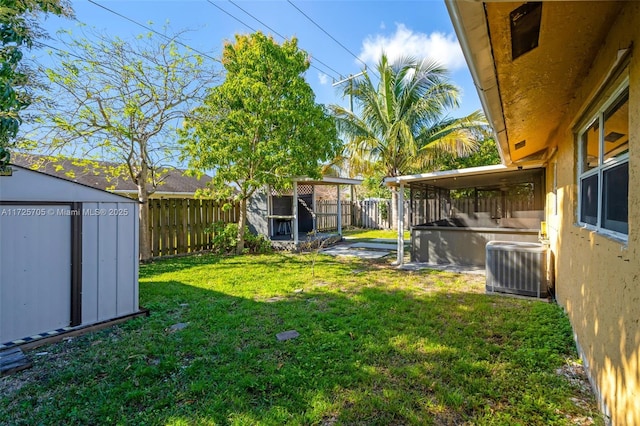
(135, 273)
(35, 271)
(35, 251)
(110, 261)
(90, 266)
(107, 265)
(127, 259)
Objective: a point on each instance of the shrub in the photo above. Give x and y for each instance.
(254, 243)
(225, 238)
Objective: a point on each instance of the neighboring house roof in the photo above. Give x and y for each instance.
(525, 95)
(97, 174)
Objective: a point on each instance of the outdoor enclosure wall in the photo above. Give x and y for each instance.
(68, 255)
(460, 246)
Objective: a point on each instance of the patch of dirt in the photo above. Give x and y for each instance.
(329, 420)
(9, 385)
(584, 399)
(43, 363)
(51, 358)
(575, 374)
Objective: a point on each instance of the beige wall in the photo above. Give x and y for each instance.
(597, 277)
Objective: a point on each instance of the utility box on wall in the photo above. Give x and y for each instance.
(517, 268)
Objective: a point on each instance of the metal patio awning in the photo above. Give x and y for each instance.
(474, 177)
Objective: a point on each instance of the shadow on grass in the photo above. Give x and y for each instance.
(365, 355)
(176, 264)
(179, 263)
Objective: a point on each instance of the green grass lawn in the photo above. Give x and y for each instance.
(374, 234)
(376, 346)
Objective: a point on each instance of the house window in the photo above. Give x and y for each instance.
(604, 167)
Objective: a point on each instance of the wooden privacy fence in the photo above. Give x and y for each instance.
(374, 214)
(327, 214)
(177, 226)
(370, 214)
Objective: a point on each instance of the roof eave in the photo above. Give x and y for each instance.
(470, 24)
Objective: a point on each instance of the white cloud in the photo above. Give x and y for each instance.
(443, 48)
(323, 78)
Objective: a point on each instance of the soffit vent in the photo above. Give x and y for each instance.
(525, 28)
(613, 136)
(520, 144)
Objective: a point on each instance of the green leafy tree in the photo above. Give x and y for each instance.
(486, 155)
(19, 30)
(373, 187)
(262, 125)
(400, 125)
(121, 101)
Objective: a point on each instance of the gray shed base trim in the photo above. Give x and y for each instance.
(59, 334)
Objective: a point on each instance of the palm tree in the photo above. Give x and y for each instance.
(401, 125)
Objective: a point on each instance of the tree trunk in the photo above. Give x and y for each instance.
(145, 232)
(242, 223)
(143, 215)
(393, 214)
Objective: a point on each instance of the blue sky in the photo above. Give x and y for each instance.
(365, 28)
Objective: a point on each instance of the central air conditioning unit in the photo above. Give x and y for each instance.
(517, 268)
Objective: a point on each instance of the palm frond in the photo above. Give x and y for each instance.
(401, 121)
(459, 136)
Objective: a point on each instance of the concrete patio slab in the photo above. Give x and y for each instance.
(355, 252)
(375, 246)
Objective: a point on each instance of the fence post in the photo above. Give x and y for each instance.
(154, 213)
(183, 241)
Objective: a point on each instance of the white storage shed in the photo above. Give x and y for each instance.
(68, 256)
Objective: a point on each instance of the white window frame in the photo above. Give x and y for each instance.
(602, 166)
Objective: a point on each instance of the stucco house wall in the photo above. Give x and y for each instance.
(597, 276)
(579, 77)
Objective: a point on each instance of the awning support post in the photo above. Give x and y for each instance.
(295, 213)
(339, 210)
(400, 248)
